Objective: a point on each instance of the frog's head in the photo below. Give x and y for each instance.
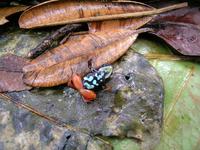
(95, 79)
(107, 70)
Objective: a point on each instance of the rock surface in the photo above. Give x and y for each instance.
(133, 108)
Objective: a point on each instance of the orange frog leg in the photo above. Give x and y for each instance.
(76, 83)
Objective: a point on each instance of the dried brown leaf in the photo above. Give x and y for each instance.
(62, 12)
(183, 37)
(134, 24)
(180, 29)
(11, 73)
(184, 15)
(76, 46)
(62, 72)
(7, 11)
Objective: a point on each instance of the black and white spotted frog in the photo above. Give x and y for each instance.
(97, 78)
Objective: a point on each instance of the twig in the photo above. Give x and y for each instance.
(46, 43)
(126, 15)
(171, 57)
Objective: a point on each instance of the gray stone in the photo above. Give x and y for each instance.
(133, 108)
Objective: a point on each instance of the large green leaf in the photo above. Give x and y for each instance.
(182, 97)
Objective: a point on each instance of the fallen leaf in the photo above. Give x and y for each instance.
(7, 11)
(132, 23)
(185, 15)
(182, 37)
(12, 62)
(11, 73)
(61, 72)
(76, 46)
(63, 12)
(118, 24)
(180, 29)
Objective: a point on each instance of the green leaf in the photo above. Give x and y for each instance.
(125, 144)
(181, 79)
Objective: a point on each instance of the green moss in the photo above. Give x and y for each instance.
(119, 100)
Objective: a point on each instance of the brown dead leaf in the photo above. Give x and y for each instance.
(180, 29)
(182, 37)
(134, 24)
(185, 15)
(61, 72)
(76, 46)
(7, 11)
(63, 12)
(12, 63)
(131, 23)
(11, 73)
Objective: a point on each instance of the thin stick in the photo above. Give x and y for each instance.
(47, 42)
(126, 15)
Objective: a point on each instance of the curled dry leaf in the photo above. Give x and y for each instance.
(4, 12)
(180, 29)
(62, 12)
(11, 73)
(62, 72)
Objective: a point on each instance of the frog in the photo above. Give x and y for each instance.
(91, 82)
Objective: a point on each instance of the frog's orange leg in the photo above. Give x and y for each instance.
(77, 82)
(88, 95)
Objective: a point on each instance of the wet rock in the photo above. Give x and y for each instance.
(1, 145)
(45, 133)
(18, 41)
(38, 133)
(133, 108)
